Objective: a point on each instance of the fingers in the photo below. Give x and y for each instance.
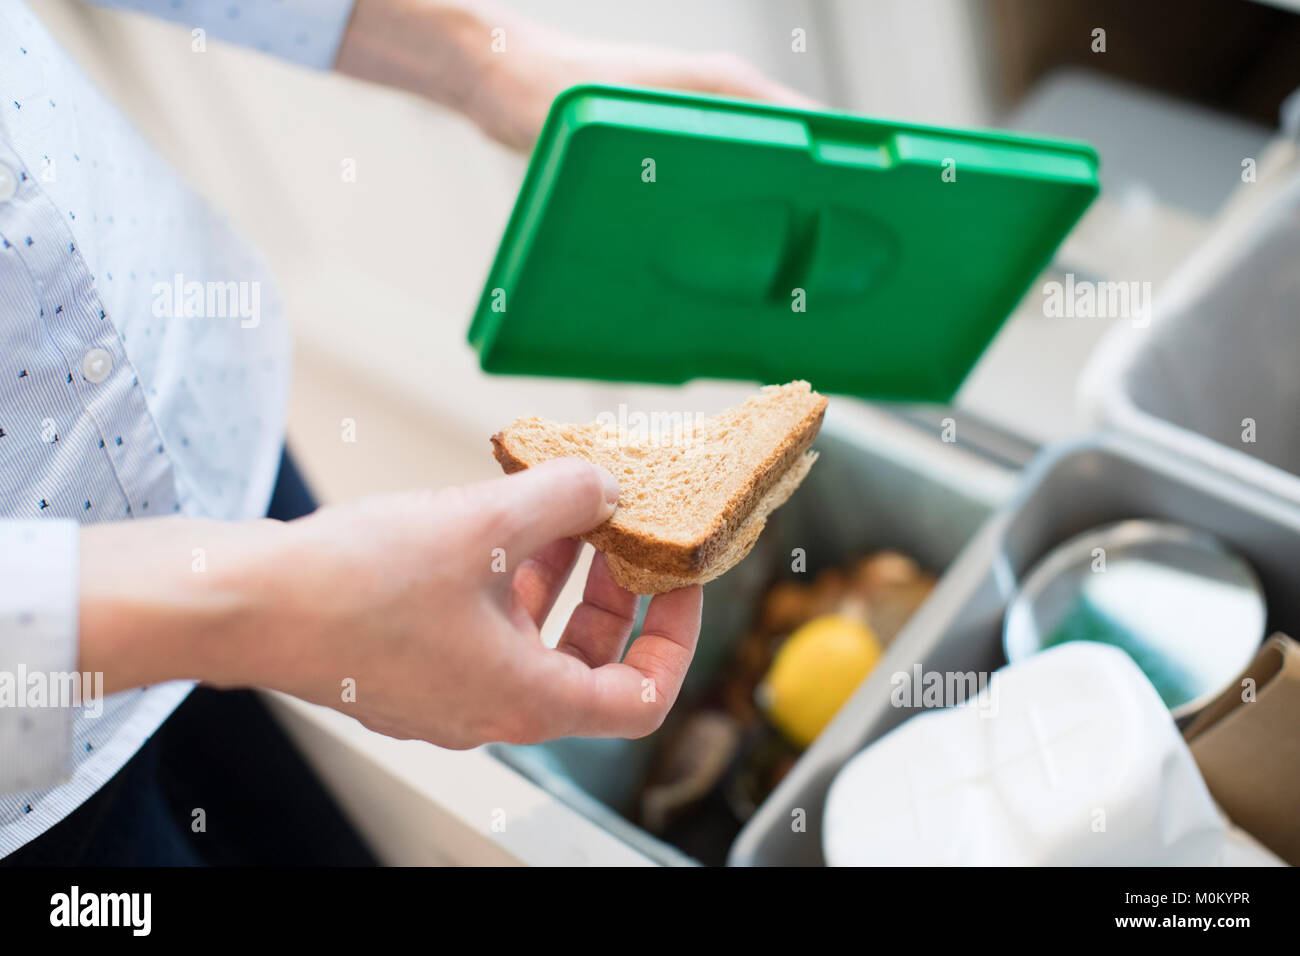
(599, 627)
(631, 699)
(729, 75)
(522, 513)
(540, 579)
(786, 96)
(760, 88)
(663, 651)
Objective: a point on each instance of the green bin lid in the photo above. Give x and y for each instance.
(662, 237)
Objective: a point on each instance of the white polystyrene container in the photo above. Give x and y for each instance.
(1067, 758)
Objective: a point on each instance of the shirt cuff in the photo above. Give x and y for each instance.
(39, 685)
(307, 32)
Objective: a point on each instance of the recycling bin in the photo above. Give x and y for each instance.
(880, 482)
(1069, 488)
(1213, 378)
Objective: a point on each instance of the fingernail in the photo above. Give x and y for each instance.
(611, 485)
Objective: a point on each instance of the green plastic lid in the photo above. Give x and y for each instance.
(661, 237)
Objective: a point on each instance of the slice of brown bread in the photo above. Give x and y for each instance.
(694, 501)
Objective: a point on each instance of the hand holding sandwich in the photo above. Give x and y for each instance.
(407, 600)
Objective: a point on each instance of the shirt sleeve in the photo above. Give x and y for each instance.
(38, 651)
(307, 32)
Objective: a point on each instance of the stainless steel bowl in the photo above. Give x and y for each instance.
(1190, 612)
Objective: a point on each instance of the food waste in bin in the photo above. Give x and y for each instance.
(810, 646)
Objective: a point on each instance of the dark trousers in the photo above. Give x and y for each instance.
(222, 752)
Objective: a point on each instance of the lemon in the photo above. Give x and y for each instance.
(815, 671)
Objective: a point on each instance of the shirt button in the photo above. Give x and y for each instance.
(96, 364)
(8, 183)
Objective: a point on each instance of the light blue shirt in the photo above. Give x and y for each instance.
(143, 372)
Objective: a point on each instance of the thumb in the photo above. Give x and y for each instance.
(556, 499)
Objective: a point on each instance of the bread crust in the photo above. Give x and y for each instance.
(645, 581)
(677, 560)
